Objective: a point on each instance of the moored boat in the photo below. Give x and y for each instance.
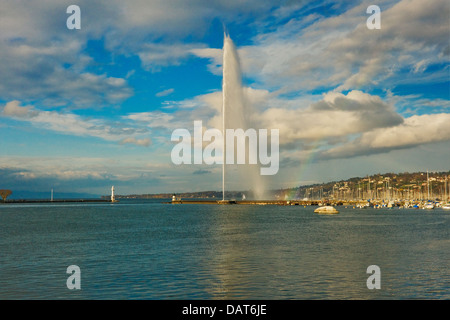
(326, 210)
(428, 206)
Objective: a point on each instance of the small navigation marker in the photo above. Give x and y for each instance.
(113, 198)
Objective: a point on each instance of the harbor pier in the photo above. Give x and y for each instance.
(56, 201)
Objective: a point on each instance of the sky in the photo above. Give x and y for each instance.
(84, 109)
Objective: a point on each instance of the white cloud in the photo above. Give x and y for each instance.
(154, 56)
(215, 57)
(305, 127)
(13, 109)
(139, 142)
(335, 126)
(72, 124)
(207, 107)
(154, 119)
(336, 115)
(165, 92)
(416, 130)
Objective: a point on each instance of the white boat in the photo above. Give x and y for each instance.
(428, 206)
(326, 210)
(446, 206)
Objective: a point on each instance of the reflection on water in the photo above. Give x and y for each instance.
(149, 250)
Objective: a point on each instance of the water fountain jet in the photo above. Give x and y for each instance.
(235, 113)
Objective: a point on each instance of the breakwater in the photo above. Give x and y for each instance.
(55, 201)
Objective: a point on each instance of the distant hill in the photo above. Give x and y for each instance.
(387, 185)
(33, 195)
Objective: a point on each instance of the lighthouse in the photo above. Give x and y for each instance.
(113, 199)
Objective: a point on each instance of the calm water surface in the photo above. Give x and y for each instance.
(151, 250)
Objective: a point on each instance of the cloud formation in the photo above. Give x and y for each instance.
(337, 126)
(139, 142)
(336, 115)
(165, 92)
(35, 67)
(72, 124)
(341, 53)
(45, 61)
(415, 130)
(311, 69)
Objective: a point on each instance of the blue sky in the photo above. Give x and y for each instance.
(81, 110)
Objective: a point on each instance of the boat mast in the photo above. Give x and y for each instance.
(445, 185)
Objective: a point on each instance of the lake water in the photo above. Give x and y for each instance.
(145, 249)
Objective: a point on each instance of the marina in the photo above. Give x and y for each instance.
(355, 204)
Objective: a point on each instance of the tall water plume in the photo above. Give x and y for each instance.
(236, 114)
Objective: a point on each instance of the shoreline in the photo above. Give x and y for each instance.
(347, 203)
(55, 201)
(265, 202)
